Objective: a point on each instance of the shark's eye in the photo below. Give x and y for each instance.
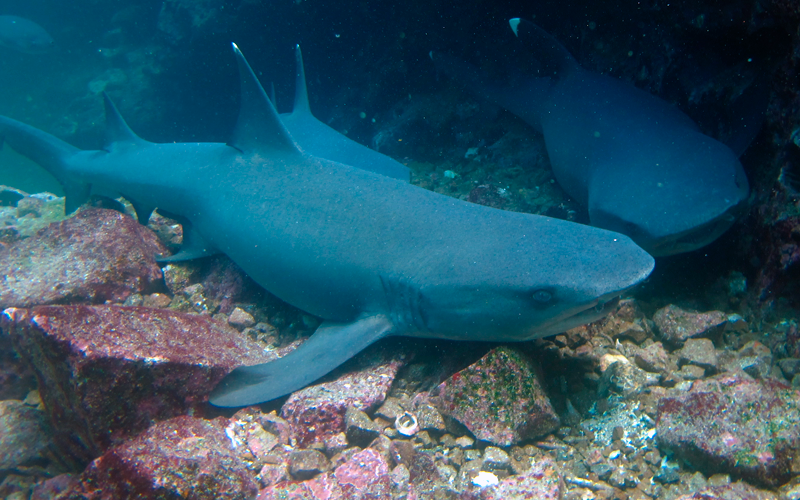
(542, 296)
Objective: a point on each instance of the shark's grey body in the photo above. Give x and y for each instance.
(640, 165)
(371, 255)
(318, 139)
(24, 35)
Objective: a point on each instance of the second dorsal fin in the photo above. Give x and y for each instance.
(258, 127)
(300, 89)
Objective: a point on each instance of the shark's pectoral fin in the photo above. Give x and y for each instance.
(330, 346)
(75, 195)
(194, 246)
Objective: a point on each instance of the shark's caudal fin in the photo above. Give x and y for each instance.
(554, 57)
(258, 128)
(300, 90)
(330, 346)
(48, 151)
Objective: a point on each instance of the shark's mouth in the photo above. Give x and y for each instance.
(577, 316)
(699, 236)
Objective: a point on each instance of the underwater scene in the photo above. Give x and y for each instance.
(310, 250)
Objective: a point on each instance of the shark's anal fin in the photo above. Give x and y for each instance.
(330, 346)
(143, 212)
(258, 128)
(75, 194)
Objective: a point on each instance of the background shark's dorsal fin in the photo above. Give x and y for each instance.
(258, 127)
(300, 89)
(553, 56)
(117, 131)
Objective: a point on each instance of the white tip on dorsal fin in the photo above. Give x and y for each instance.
(258, 127)
(300, 89)
(547, 50)
(117, 131)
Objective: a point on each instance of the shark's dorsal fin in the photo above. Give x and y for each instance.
(553, 56)
(258, 127)
(117, 131)
(300, 89)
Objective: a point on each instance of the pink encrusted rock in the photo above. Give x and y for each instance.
(541, 482)
(183, 457)
(364, 477)
(676, 325)
(106, 372)
(499, 398)
(736, 425)
(734, 491)
(94, 257)
(317, 413)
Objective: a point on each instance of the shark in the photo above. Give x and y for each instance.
(319, 139)
(637, 163)
(370, 255)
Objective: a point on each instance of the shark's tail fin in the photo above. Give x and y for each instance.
(48, 151)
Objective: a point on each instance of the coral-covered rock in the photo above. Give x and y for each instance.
(24, 433)
(734, 491)
(16, 377)
(184, 457)
(676, 325)
(106, 372)
(317, 413)
(734, 424)
(96, 256)
(499, 398)
(364, 477)
(541, 482)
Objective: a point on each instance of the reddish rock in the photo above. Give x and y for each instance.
(184, 457)
(541, 482)
(499, 398)
(736, 425)
(94, 257)
(364, 477)
(317, 413)
(734, 491)
(106, 372)
(24, 433)
(676, 325)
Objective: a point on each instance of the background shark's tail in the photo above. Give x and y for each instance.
(48, 151)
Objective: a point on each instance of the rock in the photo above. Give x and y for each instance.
(652, 358)
(542, 482)
(24, 433)
(364, 477)
(359, 428)
(495, 459)
(428, 417)
(734, 491)
(172, 459)
(51, 488)
(16, 377)
(676, 325)
(499, 398)
(626, 379)
(699, 352)
(247, 431)
(30, 206)
(94, 257)
(318, 412)
(240, 318)
(108, 372)
(734, 424)
(305, 464)
(790, 367)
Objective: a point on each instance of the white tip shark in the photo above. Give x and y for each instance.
(371, 255)
(318, 139)
(640, 165)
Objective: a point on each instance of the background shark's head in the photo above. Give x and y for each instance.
(531, 282)
(675, 200)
